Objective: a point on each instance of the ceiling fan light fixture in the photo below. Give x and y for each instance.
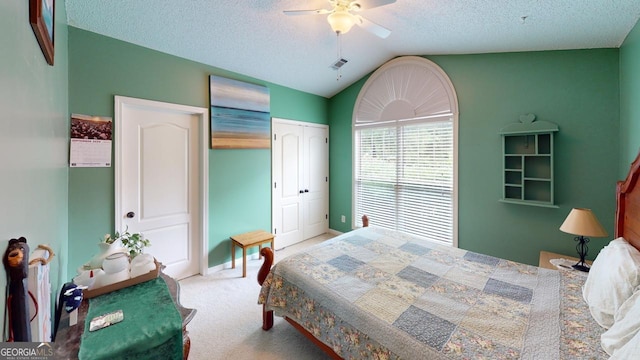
(341, 21)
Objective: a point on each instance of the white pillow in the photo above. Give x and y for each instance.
(613, 277)
(625, 327)
(629, 351)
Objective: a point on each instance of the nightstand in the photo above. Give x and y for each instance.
(545, 256)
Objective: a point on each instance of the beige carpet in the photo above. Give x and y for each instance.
(229, 319)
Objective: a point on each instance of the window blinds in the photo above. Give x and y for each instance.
(404, 176)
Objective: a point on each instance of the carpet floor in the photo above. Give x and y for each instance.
(228, 322)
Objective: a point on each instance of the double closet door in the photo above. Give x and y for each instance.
(300, 181)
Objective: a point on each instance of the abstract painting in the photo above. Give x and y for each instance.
(240, 114)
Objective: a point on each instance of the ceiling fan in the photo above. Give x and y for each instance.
(343, 15)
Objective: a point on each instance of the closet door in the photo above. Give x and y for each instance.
(287, 143)
(316, 182)
(300, 197)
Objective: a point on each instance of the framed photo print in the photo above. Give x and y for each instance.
(41, 17)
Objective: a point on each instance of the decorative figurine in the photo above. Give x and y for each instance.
(16, 264)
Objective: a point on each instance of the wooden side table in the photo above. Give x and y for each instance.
(546, 256)
(253, 238)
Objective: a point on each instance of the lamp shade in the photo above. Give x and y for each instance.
(583, 222)
(341, 21)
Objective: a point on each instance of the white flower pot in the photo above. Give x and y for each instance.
(105, 250)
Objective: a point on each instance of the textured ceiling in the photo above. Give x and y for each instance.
(255, 38)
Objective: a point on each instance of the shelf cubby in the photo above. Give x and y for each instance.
(537, 167)
(513, 192)
(512, 177)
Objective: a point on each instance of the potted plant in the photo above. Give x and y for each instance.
(134, 243)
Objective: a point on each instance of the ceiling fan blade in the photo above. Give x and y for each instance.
(372, 27)
(358, 5)
(306, 12)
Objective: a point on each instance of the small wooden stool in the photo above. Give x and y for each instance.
(246, 240)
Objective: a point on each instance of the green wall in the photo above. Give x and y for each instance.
(629, 100)
(239, 180)
(34, 128)
(578, 90)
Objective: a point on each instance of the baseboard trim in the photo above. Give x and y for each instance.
(254, 256)
(227, 265)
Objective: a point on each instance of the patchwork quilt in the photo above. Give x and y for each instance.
(377, 294)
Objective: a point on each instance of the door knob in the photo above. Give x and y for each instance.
(306, 190)
(301, 192)
(131, 214)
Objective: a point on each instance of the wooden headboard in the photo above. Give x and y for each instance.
(628, 206)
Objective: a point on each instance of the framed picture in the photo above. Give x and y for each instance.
(41, 17)
(240, 114)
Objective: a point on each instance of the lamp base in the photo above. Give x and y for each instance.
(582, 249)
(581, 267)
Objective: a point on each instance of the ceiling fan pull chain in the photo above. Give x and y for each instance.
(339, 41)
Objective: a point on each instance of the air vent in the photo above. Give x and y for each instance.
(338, 64)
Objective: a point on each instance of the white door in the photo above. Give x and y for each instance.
(300, 198)
(158, 171)
(316, 181)
(287, 142)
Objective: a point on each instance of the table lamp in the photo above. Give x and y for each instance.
(582, 222)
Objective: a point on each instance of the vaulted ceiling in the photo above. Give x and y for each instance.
(255, 38)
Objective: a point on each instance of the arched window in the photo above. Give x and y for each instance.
(405, 123)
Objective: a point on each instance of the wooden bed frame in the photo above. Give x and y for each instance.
(627, 225)
(628, 206)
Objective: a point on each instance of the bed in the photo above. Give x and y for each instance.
(374, 293)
